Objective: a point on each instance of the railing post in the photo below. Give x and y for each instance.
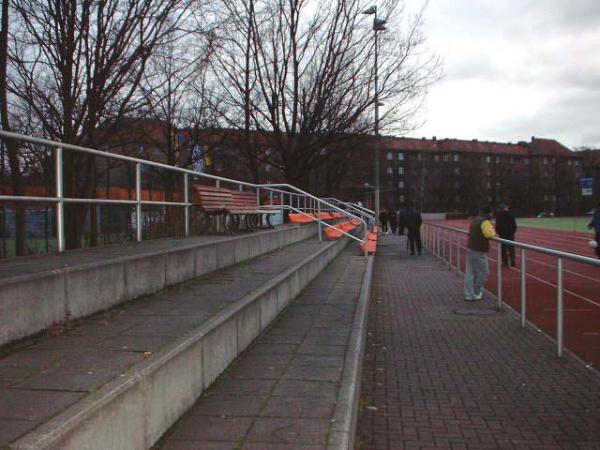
(458, 266)
(319, 225)
(271, 198)
(218, 183)
(138, 199)
(241, 187)
(523, 288)
(559, 308)
(450, 252)
(60, 205)
(186, 200)
(499, 276)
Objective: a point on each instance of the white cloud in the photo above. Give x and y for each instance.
(514, 69)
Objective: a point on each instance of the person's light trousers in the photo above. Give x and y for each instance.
(477, 273)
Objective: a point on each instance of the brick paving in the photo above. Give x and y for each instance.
(43, 377)
(281, 393)
(435, 379)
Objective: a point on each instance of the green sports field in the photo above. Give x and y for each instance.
(558, 223)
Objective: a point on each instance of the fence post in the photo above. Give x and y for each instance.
(450, 252)
(271, 198)
(559, 308)
(523, 287)
(319, 225)
(138, 199)
(60, 205)
(186, 199)
(458, 266)
(499, 276)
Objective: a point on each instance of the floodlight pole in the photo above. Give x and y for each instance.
(378, 25)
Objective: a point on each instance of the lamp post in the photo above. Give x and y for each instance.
(378, 25)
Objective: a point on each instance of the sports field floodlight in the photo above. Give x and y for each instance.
(378, 25)
(370, 10)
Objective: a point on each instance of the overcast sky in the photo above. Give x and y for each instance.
(515, 69)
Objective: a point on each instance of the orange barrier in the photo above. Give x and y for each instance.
(371, 243)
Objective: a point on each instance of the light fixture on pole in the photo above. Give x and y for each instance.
(378, 25)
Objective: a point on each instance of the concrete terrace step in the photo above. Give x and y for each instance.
(40, 291)
(121, 378)
(297, 385)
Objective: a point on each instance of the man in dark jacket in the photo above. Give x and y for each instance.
(506, 227)
(413, 221)
(481, 231)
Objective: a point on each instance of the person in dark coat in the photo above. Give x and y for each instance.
(506, 227)
(595, 225)
(401, 226)
(383, 220)
(413, 221)
(393, 219)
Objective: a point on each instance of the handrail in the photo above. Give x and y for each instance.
(361, 210)
(434, 241)
(547, 251)
(60, 199)
(321, 201)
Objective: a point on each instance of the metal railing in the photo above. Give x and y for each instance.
(290, 197)
(439, 239)
(359, 210)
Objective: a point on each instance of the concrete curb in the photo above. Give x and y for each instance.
(343, 430)
(32, 303)
(133, 411)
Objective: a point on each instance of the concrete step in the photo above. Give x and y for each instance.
(42, 291)
(297, 385)
(120, 379)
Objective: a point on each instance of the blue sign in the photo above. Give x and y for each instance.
(587, 186)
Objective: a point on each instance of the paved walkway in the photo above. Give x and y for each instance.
(281, 394)
(42, 379)
(435, 379)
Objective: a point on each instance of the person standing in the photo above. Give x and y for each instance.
(595, 225)
(413, 221)
(393, 218)
(401, 216)
(383, 220)
(506, 227)
(481, 231)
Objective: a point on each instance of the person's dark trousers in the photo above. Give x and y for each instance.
(414, 239)
(508, 252)
(393, 226)
(400, 228)
(598, 244)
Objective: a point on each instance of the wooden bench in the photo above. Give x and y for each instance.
(209, 202)
(244, 206)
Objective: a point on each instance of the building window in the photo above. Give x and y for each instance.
(457, 185)
(457, 198)
(497, 159)
(553, 160)
(436, 158)
(526, 161)
(457, 170)
(489, 185)
(401, 170)
(268, 168)
(401, 184)
(576, 162)
(545, 198)
(569, 162)
(456, 157)
(545, 160)
(446, 157)
(401, 198)
(419, 157)
(390, 156)
(401, 156)
(390, 170)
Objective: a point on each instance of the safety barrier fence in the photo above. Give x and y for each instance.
(280, 196)
(447, 244)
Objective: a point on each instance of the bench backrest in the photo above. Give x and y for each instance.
(243, 200)
(212, 199)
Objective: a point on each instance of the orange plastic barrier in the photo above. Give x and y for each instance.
(371, 243)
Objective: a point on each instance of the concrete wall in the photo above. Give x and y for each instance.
(31, 303)
(133, 411)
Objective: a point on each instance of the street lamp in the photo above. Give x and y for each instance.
(378, 25)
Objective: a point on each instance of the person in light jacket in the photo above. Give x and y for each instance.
(481, 231)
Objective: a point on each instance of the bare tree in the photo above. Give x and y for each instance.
(78, 64)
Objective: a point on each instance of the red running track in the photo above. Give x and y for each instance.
(581, 285)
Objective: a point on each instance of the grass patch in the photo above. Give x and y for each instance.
(578, 224)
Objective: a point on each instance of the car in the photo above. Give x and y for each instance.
(545, 214)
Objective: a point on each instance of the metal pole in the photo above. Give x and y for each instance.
(319, 225)
(523, 288)
(458, 254)
(186, 199)
(450, 252)
(499, 277)
(559, 308)
(271, 198)
(138, 199)
(376, 126)
(60, 205)
(218, 183)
